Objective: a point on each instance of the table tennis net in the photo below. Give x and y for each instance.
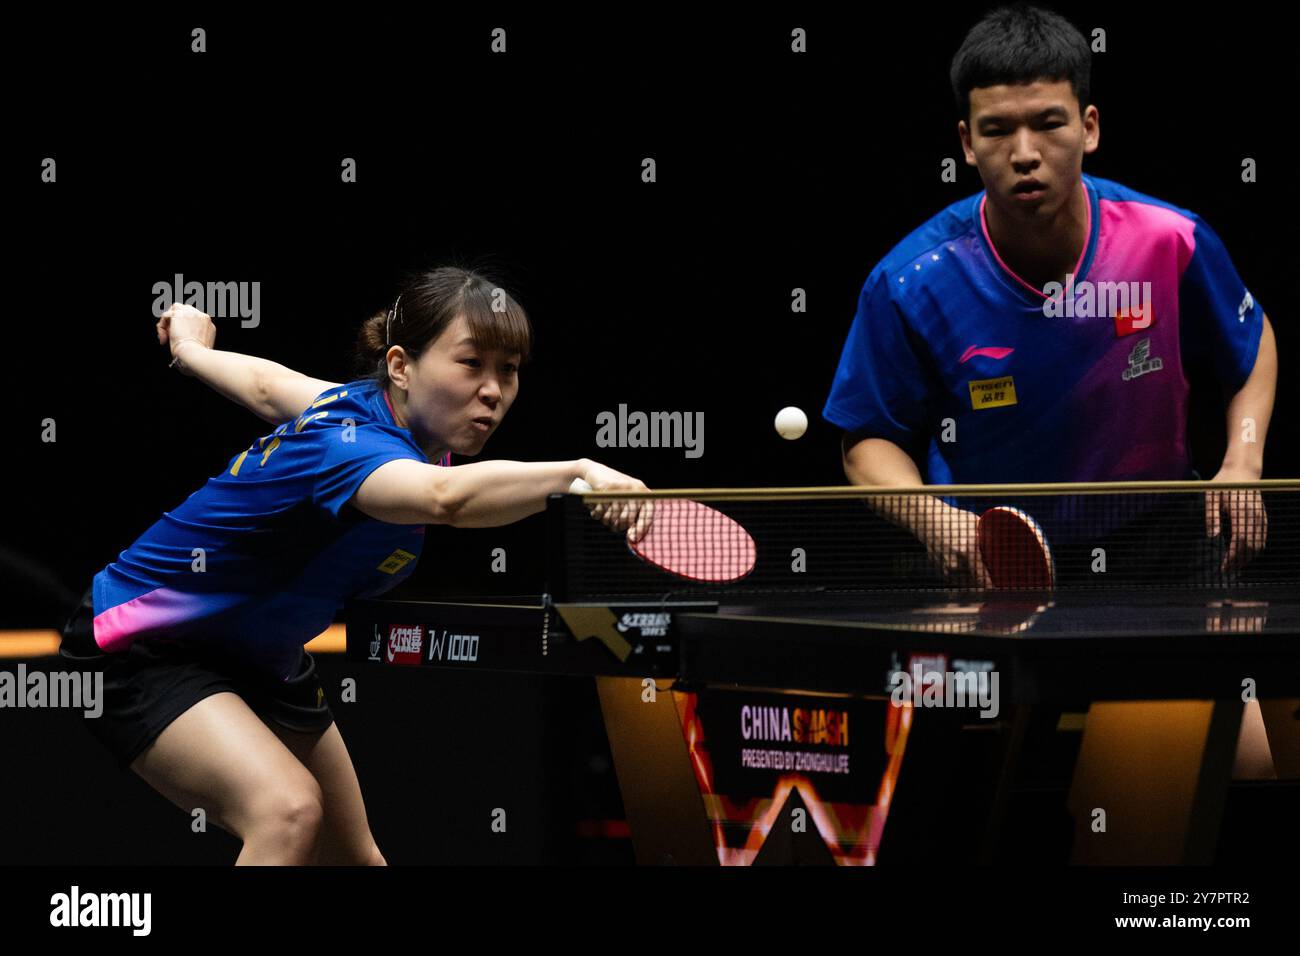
(832, 540)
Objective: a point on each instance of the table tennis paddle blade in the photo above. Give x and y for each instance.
(692, 541)
(1015, 550)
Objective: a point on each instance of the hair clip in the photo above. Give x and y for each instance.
(388, 327)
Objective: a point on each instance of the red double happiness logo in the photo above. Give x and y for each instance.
(405, 644)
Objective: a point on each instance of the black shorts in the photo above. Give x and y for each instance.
(154, 682)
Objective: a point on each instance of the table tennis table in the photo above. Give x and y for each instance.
(729, 710)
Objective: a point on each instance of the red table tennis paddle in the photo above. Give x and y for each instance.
(691, 540)
(1015, 550)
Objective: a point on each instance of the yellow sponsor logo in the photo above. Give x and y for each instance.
(396, 561)
(329, 398)
(992, 392)
(305, 419)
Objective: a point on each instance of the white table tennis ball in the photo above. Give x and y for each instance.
(791, 423)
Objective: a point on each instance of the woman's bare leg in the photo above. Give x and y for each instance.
(220, 756)
(345, 837)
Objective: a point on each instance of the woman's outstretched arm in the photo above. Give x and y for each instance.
(269, 390)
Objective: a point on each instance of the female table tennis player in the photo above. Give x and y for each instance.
(209, 694)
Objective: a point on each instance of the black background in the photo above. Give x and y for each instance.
(775, 171)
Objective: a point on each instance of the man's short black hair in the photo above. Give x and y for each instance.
(1020, 44)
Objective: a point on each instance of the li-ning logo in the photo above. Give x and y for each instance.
(1140, 361)
(221, 300)
(991, 351)
(650, 625)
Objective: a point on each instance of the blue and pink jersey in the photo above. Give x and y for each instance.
(1007, 384)
(260, 559)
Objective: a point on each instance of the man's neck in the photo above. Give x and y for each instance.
(1041, 252)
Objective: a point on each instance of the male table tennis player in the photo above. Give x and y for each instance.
(952, 361)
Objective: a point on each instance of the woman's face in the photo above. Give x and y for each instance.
(457, 393)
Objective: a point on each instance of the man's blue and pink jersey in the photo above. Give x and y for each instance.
(260, 559)
(949, 343)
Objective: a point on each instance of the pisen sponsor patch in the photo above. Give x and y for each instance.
(992, 392)
(396, 561)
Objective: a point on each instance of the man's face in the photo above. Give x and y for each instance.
(1028, 142)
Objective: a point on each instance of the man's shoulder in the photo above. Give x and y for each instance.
(928, 253)
(940, 233)
(1138, 202)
